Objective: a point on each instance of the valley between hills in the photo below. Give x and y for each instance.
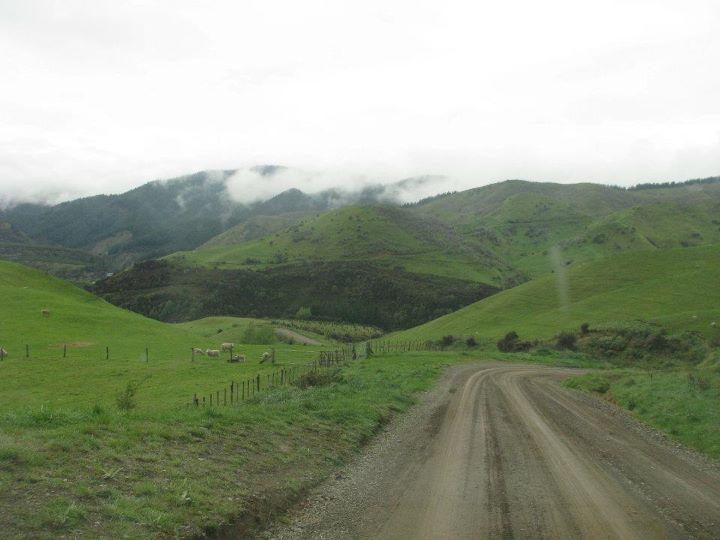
(582, 318)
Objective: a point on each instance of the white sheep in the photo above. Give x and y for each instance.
(265, 357)
(237, 358)
(198, 351)
(3, 352)
(212, 353)
(225, 347)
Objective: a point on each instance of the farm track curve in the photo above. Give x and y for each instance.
(295, 337)
(503, 451)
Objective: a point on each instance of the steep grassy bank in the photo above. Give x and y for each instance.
(683, 403)
(675, 288)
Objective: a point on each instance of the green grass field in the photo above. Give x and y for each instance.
(676, 288)
(74, 464)
(83, 327)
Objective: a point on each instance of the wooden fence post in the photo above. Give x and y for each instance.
(225, 396)
(27, 351)
(147, 355)
(258, 382)
(107, 353)
(64, 350)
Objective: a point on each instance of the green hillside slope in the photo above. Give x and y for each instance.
(677, 288)
(522, 221)
(384, 235)
(500, 234)
(68, 364)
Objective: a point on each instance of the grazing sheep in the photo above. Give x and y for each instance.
(265, 357)
(198, 351)
(45, 312)
(212, 353)
(3, 352)
(237, 358)
(225, 347)
(713, 324)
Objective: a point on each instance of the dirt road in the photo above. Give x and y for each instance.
(294, 337)
(502, 451)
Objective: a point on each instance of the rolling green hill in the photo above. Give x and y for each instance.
(677, 288)
(384, 235)
(502, 235)
(81, 326)
(522, 221)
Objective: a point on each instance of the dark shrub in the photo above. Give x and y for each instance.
(471, 342)
(657, 341)
(512, 343)
(446, 341)
(584, 328)
(566, 340)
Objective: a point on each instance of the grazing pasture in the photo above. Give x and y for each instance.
(87, 351)
(96, 446)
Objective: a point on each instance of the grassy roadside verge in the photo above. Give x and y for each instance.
(96, 472)
(683, 403)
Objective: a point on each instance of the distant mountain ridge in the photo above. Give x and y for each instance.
(164, 216)
(499, 233)
(495, 237)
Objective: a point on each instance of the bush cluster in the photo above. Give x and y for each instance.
(512, 343)
(641, 343)
(566, 341)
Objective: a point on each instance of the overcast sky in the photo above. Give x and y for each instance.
(100, 96)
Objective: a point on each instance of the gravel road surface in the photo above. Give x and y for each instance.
(502, 451)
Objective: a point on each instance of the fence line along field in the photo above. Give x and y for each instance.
(68, 348)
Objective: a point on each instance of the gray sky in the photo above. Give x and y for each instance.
(101, 96)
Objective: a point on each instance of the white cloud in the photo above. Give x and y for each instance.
(101, 96)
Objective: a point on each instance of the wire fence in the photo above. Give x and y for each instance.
(238, 391)
(386, 346)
